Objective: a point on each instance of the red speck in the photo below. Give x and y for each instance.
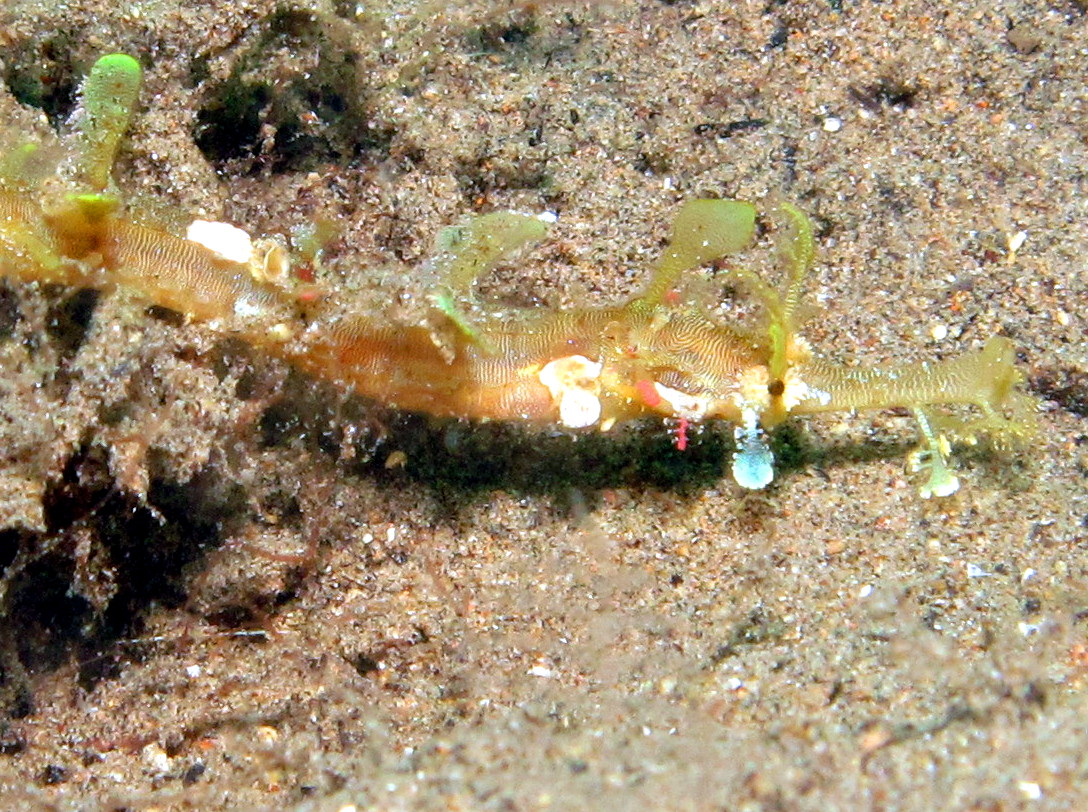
(682, 434)
(304, 272)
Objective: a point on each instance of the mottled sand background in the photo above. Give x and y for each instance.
(223, 591)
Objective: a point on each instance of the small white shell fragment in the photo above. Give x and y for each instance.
(683, 404)
(156, 758)
(266, 734)
(228, 241)
(572, 382)
(1031, 790)
(280, 332)
(579, 409)
(832, 124)
(268, 261)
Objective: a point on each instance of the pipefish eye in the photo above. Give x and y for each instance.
(776, 388)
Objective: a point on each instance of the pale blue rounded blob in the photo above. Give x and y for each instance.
(753, 464)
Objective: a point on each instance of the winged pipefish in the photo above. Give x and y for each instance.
(585, 368)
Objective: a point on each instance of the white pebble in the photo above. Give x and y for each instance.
(1031, 790)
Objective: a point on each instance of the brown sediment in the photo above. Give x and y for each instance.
(517, 619)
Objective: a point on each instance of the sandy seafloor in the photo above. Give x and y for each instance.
(230, 587)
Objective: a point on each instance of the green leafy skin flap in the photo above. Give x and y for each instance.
(108, 97)
(703, 231)
(467, 252)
